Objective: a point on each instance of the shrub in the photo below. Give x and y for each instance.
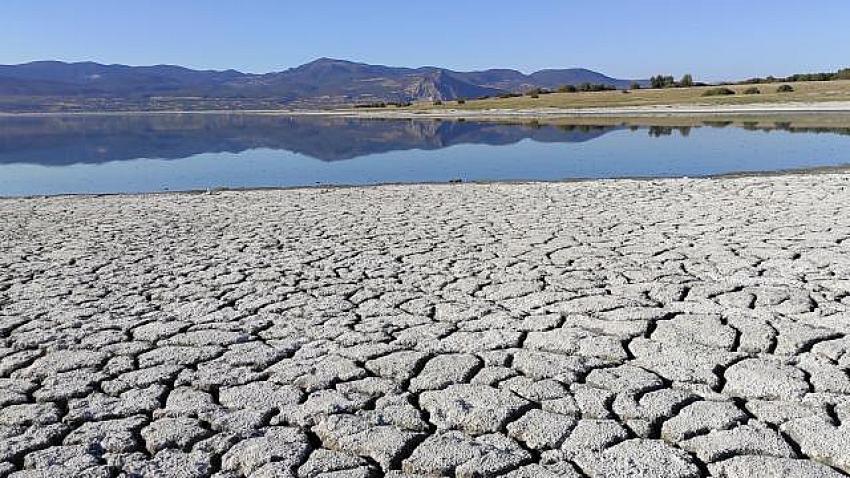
(461, 101)
(567, 89)
(438, 103)
(752, 91)
(843, 74)
(717, 124)
(635, 85)
(718, 92)
(534, 95)
(595, 87)
(785, 89)
(659, 131)
(379, 104)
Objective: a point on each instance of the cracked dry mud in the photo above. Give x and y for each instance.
(675, 328)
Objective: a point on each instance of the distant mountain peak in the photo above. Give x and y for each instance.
(326, 60)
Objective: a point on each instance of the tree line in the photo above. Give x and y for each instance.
(667, 81)
(842, 74)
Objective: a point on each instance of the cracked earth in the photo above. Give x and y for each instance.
(676, 328)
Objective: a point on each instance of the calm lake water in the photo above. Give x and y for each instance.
(144, 153)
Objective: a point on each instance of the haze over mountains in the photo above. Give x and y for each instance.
(323, 82)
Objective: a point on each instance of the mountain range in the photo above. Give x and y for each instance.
(324, 82)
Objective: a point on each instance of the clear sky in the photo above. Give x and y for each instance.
(720, 39)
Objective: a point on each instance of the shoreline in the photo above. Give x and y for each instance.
(825, 107)
(822, 171)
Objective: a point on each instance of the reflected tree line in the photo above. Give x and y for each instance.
(659, 131)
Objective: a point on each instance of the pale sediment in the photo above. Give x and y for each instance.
(670, 328)
(650, 111)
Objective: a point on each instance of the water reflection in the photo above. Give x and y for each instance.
(95, 139)
(65, 140)
(141, 153)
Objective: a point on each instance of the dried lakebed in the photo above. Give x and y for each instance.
(673, 328)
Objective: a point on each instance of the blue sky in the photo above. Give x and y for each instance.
(716, 40)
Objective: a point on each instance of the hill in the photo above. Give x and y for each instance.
(43, 85)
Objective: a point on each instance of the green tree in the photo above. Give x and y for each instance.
(655, 81)
(686, 81)
(662, 81)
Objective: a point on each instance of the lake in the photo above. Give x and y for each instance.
(147, 153)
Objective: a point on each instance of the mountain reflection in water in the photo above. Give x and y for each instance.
(155, 152)
(66, 140)
(63, 140)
